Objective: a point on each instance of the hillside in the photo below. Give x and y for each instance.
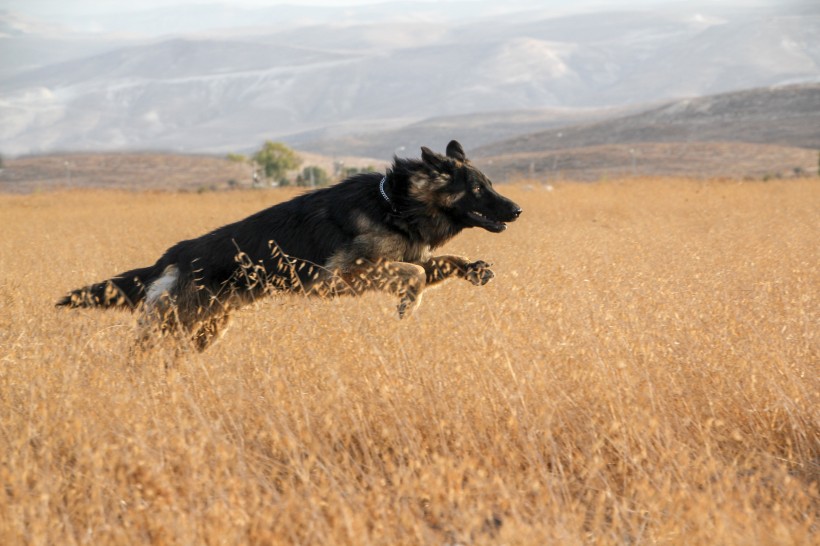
(154, 171)
(773, 132)
(141, 171)
(472, 130)
(144, 171)
(694, 159)
(788, 116)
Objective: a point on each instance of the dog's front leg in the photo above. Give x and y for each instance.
(402, 279)
(442, 268)
(409, 285)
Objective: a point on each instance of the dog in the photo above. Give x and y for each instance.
(370, 231)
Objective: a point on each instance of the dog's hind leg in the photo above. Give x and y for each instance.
(203, 316)
(159, 315)
(208, 331)
(441, 268)
(156, 321)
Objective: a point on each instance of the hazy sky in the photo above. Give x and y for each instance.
(106, 16)
(46, 8)
(41, 6)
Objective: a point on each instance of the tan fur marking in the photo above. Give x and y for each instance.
(363, 223)
(422, 187)
(419, 187)
(442, 180)
(452, 199)
(394, 247)
(378, 245)
(339, 261)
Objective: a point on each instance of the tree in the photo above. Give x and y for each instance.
(276, 159)
(237, 158)
(313, 176)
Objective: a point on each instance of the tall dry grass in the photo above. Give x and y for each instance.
(643, 370)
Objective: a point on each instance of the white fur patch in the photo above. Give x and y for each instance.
(163, 285)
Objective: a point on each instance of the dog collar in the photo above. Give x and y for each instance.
(384, 193)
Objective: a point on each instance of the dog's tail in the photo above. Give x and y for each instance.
(125, 290)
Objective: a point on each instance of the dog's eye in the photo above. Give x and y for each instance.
(476, 188)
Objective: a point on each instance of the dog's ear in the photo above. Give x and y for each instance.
(438, 162)
(455, 151)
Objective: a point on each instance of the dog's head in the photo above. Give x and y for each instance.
(462, 192)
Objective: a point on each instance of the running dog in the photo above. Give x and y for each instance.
(370, 231)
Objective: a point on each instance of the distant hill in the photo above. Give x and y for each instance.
(754, 133)
(692, 159)
(749, 133)
(772, 132)
(130, 171)
(141, 171)
(788, 116)
(472, 130)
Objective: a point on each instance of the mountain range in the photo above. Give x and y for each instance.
(325, 86)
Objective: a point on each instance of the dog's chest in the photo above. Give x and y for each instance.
(383, 244)
(377, 246)
(375, 242)
(397, 248)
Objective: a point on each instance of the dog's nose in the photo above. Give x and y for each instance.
(517, 212)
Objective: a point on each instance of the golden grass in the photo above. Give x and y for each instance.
(643, 370)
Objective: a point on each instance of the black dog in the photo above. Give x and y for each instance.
(367, 232)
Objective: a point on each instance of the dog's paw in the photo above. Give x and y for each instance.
(479, 273)
(407, 304)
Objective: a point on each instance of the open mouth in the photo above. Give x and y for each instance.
(486, 223)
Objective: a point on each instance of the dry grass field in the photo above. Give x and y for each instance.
(644, 369)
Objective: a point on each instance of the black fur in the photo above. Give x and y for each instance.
(342, 239)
